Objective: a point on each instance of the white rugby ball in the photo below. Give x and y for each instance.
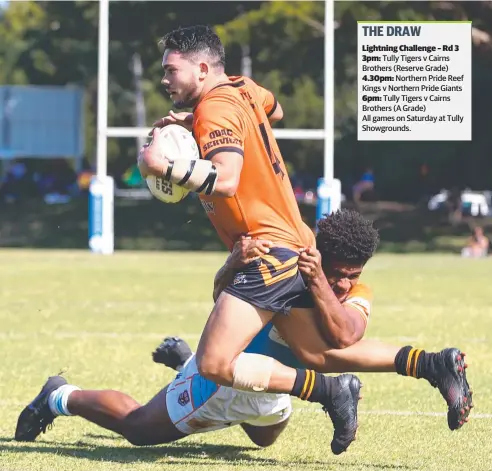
(176, 143)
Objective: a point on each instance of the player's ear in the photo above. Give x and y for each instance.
(204, 69)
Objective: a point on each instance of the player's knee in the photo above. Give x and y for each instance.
(135, 428)
(206, 368)
(264, 441)
(137, 440)
(264, 436)
(136, 436)
(147, 437)
(215, 369)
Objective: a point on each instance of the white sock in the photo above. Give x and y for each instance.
(58, 399)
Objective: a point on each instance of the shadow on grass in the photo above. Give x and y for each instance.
(177, 454)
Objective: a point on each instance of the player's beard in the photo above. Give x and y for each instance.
(189, 99)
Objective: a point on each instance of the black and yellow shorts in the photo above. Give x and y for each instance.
(273, 282)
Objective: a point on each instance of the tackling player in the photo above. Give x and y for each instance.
(320, 339)
(189, 404)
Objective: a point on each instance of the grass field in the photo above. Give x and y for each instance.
(101, 317)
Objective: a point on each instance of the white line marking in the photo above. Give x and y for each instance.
(302, 410)
(95, 335)
(408, 413)
(152, 335)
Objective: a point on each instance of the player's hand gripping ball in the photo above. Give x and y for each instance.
(175, 142)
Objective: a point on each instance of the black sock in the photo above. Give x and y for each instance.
(314, 387)
(414, 362)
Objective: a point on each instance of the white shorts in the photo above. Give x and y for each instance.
(197, 405)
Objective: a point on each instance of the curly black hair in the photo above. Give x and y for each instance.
(346, 236)
(194, 40)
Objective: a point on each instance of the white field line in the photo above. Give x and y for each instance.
(408, 413)
(95, 335)
(191, 336)
(304, 410)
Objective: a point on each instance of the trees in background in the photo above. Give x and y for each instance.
(56, 43)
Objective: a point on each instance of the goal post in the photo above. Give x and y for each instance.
(101, 189)
(101, 192)
(329, 191)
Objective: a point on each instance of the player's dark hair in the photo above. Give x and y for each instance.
(347, 237)
(195, 40)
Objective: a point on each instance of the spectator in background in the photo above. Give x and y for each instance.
(365, 184)
(84, 177)
(56, 183)
(454, 205)
(17, 183)
(132, 177)
(424, 180)
(477, 245)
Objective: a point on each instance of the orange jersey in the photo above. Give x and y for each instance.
(360, 297)
(233, 117)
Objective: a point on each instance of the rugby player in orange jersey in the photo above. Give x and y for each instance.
(244, 187)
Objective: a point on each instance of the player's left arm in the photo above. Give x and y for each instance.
(342, 324)
(272, 107)
(245, 251)
(276, 115)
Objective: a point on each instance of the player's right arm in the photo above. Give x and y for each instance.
(270, 104)
(220, 132)
(342, 324)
